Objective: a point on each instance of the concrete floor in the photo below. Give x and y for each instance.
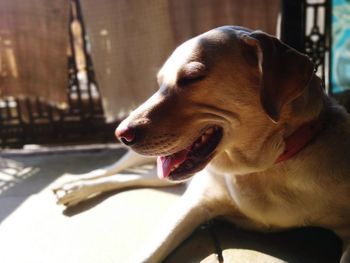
(110, 228)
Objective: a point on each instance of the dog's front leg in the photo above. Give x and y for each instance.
(77, 188)
(72, 193)
(201, 202)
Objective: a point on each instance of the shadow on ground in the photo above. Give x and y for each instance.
(235, 245)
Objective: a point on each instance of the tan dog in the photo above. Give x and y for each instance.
(251, 111)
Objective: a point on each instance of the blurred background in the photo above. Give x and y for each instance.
(70, 70)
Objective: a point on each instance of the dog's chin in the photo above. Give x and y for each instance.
(185, 163)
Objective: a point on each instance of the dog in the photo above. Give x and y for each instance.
(246, 118)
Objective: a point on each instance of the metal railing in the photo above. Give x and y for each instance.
(306, 26)
(34, 121)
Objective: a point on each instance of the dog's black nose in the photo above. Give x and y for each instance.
(125, 134)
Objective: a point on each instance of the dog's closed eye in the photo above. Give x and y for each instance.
(185, 81)
(191, 73)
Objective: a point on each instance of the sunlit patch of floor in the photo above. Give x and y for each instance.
(13, 172)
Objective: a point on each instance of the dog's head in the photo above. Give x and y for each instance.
(222, 93)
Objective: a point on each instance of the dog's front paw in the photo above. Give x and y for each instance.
(72, 193)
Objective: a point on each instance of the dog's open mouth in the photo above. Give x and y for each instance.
(184, 163)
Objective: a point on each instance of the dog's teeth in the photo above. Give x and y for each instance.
(209, 131)
(205, 137)
(175, 167)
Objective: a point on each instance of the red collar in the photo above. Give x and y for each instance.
(300, 139)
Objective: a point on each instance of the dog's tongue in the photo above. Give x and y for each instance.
(166, 163)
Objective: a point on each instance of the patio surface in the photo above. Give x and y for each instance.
(110, 228)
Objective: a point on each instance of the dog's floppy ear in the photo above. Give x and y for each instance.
(285, 72)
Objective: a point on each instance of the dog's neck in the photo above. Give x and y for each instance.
(310, 125)
(300, 138)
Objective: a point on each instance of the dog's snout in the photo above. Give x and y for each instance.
(126, 134)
